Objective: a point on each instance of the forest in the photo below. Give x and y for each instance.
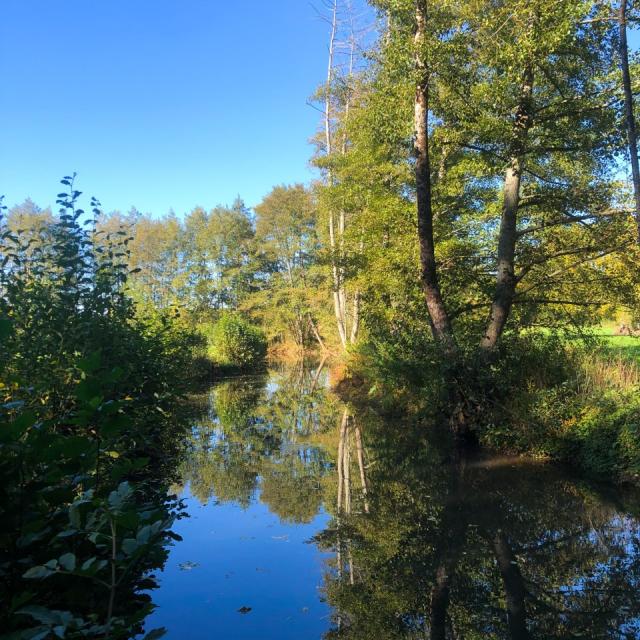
(465, 261)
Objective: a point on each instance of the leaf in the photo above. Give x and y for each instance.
(5, 328)
(144, 534)
(74, 515)
(155, 634)
(121, 495)
(129, 546)
(37, 572)
(41, 614)
(18, 427)
(90, 363)
(68, 561)
(88, 390)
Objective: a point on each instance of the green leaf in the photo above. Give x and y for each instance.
(37, 572)
(121, 495)
(41, 614)
(74, 516)
(87, 390)
(68, 561)
(90, 363)
(129, 546)
(5, 328)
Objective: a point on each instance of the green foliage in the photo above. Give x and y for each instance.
(572, 403)
(235, 342)
(89, 429)
(259, 435)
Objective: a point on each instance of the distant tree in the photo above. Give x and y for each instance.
(286, 237)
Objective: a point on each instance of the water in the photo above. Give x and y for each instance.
(309, 519)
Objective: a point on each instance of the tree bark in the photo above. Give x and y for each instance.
(363, 475)
(506, 279)
(630, 121)
(439, 318)
(513, 587)
(439, 604)
(335, 268)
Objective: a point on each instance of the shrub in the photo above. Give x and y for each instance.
(235, 342)
(89, 431)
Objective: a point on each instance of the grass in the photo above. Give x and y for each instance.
(625, 347)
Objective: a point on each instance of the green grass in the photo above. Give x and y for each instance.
(627, 347)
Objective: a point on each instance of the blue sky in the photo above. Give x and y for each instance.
(157, 103)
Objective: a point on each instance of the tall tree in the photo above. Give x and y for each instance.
(630, 121)
(337, 97)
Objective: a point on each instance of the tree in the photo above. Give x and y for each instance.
(337, 97)
(286, 235)
(629, 116)
(511, 184)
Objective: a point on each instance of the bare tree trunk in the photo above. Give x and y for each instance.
(513, 586)
(628, 110)
(506, 279)
(335, 268)
(348, 326)
(346, 459)
(363, 476)
(440, 603)
(355, 320)
(340, 462)
(440, 322)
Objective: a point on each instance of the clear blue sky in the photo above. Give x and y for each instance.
(157, 103)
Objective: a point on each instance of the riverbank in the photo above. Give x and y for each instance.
(573, 403)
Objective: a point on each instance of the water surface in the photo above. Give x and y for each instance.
(311, 519)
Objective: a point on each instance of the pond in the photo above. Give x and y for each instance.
(310, 519)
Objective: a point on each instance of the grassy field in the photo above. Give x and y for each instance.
(624, 346)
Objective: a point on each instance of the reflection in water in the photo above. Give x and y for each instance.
(495, 549)
(260, 434)
(421, 546)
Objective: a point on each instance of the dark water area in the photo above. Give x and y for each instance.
(309, 519)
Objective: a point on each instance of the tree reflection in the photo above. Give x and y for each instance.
(426, 544)
(261, 433)
(450, 549)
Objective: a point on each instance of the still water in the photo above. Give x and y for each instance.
(310, 519)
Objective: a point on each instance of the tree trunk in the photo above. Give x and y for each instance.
(316, 334)
(439, 604)
(439, 318)
(335, 269)
(513, 587)
(506, 279)
(363, 475)
(342, 443)
(628, 111)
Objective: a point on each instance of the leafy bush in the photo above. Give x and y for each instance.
(235, 342)
(576, 405)
(89, 431)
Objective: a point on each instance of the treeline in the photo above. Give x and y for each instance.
(266, 264)
(471, 211)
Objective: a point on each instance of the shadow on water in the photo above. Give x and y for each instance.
(409, 542)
